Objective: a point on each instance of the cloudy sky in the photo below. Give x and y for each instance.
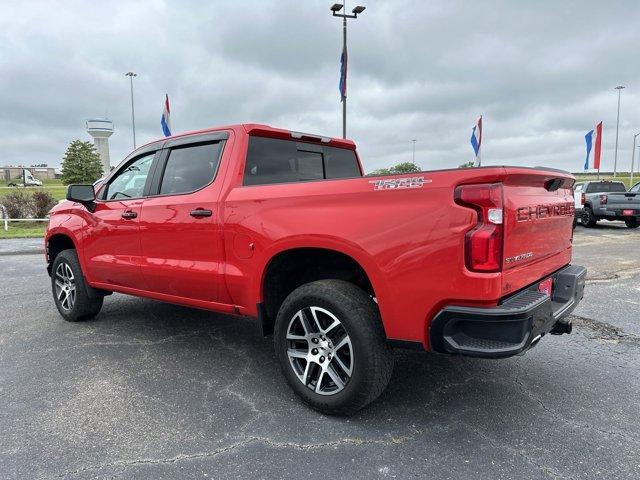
(541, 73)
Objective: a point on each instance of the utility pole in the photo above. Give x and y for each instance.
(633, 158)
(615, 158)
(133, 115)
(414, 151)
(335, 8)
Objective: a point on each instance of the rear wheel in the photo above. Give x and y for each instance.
(70, 290)
(589, 220)
(331, 346)
(632, 222)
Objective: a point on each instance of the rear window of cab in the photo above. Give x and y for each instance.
(597, 187)
(273, 160)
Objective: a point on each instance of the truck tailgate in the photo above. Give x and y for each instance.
(622, 201)
(538, 223)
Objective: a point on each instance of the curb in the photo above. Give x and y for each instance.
(22, 252)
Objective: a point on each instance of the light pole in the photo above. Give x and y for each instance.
(335, 8)
(633, 158)
(615, 158)
(414, 150)
(133, 115)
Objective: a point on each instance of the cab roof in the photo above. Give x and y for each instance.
(261, 130)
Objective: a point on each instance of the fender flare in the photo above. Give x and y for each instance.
(326, 242)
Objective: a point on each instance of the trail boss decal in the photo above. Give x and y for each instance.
(393, 183)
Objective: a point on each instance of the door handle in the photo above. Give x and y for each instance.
(201, 212)
(129, 214)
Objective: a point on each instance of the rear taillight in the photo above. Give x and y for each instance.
(603, 199)
(483, 244)
(582, 198)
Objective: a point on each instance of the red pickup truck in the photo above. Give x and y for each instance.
(282, 226)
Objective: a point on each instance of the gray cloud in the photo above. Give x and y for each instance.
(542, 73)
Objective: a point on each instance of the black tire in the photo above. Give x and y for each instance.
(575, 221)
(632, 222)
(84, 306)
(589, 220)
(371, 359)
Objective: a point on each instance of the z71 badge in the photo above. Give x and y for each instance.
(394, 183)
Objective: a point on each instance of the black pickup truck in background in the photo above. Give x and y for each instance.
(606, 200)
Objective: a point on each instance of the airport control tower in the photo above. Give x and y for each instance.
(101, 129)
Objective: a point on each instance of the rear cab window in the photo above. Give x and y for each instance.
(273, 160)
(604, 187)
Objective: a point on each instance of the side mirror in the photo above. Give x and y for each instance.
(84, 194)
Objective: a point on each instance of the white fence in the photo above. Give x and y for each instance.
(7, 220)
(4, 218)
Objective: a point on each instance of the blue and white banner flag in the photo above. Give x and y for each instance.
(342, 85)
(165, 121)
(476, 139)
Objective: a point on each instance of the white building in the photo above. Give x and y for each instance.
(101, 129)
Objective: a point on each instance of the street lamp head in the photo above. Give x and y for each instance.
(336, 7)
(130, 74)
(620, 87)
(359, 9)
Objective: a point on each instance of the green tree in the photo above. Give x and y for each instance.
(404, 167)
(469, 164)
(81, 163)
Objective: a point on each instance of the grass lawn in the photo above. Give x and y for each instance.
(23, 230)
(54, 187)
(623, 177)
(30, 229)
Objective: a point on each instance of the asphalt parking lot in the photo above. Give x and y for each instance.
(149, 390)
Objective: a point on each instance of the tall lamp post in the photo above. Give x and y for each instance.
(133, 115)
(633, 158)
(414, 150)
(615, 158)
(335, 8)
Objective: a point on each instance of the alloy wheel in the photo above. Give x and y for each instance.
(319, 350)
(65, 286)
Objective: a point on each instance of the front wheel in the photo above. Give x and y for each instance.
(331, 346)
(632, 222)
(70, 290)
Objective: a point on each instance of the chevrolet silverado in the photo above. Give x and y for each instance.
(284, 227)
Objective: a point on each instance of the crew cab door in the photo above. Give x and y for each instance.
(112, 241)
(179, 225)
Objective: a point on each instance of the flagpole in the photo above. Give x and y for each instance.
(615, 159)
(133, 115)
(335, 8)
(344, 98)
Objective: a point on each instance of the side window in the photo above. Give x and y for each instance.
(635, 188)
(271, 160)
(341, 163)
(130, 181)
(190, 168)
(579, 187)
